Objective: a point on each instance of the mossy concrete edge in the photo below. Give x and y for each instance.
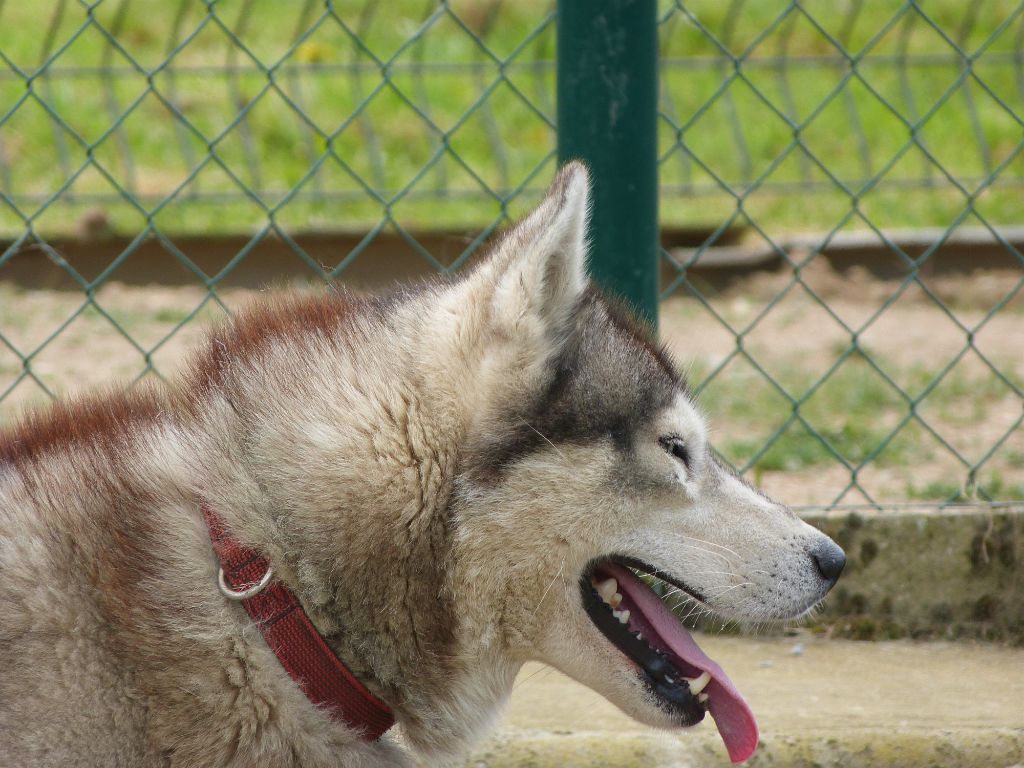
(968, 748)
(950, 574)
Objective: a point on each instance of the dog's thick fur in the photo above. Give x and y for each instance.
(429, 472)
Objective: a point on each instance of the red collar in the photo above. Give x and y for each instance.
(321, 675)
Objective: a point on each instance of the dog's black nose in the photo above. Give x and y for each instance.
(830, 560)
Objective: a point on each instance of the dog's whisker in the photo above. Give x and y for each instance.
(696, 544)
(551, 583)
(730, 589)
(545, 439)
(687, 541)
(732, 552)
(546, 669)
(696, 607)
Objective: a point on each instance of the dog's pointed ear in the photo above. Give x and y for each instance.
(540, 267)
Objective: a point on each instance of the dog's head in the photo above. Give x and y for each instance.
(587, 464)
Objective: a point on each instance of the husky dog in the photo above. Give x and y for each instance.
(451, 481)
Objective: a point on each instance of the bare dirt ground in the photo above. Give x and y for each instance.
(913, 340)
(70, 347)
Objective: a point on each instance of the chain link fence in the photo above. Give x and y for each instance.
(858, 121)
(840, 195)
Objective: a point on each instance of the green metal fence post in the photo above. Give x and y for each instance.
(607, 116)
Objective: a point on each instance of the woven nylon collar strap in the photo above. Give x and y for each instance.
(276, 611)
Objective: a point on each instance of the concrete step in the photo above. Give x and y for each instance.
(926, 573)
(819, 703)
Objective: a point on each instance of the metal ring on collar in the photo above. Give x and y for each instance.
(243, 594)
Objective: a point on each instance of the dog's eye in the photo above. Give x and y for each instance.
(677, 448)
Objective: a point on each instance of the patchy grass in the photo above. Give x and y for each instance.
(937, 490)
(914, 404)
(991, 486)
(855, 418)
(171, 315)
(848, 418)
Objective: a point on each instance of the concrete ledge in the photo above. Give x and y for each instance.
(823, 749)
(954, 573)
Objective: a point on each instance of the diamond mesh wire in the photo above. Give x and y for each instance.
(857, 118)
(139, 125)
(157, 122)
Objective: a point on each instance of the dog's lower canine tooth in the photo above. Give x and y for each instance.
(697, 684)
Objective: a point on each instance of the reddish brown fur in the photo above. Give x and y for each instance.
(107, 418)
(295, 317)
(107, 421)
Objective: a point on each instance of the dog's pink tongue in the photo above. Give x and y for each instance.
(732, 715)
(735, 721)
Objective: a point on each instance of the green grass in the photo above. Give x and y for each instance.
(307, 162)
(171, 315)
(356, 153)
(1015, 458)
(992, 486)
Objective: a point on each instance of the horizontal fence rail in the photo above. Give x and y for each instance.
(839, 197)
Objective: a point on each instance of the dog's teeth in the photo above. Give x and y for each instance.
(606, 589)
(638, 636)
(615, 599)
(702, 698)
(622, 616)
(697, 684)
(669, 680)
